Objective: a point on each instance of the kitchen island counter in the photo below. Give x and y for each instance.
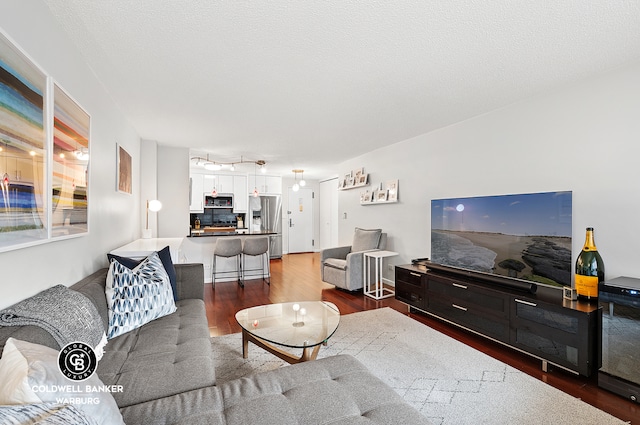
(241, 233)
(199, 249)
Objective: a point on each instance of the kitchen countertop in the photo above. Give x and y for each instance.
(208, 234)
(141, 248)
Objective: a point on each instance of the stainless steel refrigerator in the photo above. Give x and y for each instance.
(266, 216)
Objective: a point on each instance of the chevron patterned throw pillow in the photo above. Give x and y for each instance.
(137, 296)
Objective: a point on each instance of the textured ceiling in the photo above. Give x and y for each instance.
(307, 84)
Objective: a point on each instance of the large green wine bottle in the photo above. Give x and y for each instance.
(589, 269)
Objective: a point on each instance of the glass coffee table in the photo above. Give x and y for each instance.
(301, 325)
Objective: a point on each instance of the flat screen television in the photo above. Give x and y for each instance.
(526, 237)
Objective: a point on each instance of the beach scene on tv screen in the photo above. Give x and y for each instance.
(524, 236)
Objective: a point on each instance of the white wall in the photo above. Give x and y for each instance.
(583, 138)
(173, 192)
(328, 214)
(149, 184)
(29, 270)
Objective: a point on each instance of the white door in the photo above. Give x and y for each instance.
(328, 213)
(300, 220)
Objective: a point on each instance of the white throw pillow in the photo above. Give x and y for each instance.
(137, 296)
(29, 374)
(44, 414)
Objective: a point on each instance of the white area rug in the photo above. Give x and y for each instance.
(449, 382)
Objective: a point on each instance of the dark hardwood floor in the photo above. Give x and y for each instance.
(297, 278)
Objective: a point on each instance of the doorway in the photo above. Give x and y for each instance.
(300, 209)
(328, 213)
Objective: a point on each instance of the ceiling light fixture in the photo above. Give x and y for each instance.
(81, 154)
(212, 166)
(255, 185)
(219, 165)
(296, 185)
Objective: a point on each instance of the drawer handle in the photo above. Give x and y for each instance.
(526, 303)
(415, 274)
(458, 307)
(457, 285)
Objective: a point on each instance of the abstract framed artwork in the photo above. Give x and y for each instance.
(124, 170)
(24, 218)
(70, 174)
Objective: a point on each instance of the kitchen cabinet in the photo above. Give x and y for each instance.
(223, 183)
(266, 184)
(240, 197)
(196, 194)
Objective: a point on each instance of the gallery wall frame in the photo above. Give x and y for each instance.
(124, 164)
(70, 166)
(353, 179)
(384, 193)
(43, 199)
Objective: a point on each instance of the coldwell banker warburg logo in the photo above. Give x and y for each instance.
(77, 361)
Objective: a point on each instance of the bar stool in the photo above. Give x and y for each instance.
(227, 248)
(254, 247)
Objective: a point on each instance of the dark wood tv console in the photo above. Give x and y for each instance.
(542, 324)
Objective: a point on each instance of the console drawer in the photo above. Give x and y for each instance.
(553, 333)
(470, 317)
(411, 287)
(486, 301)
(410, 277)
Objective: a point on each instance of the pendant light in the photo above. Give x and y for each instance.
(255, 185)
(296, 185)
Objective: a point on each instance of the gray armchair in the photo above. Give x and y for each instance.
(343, 266)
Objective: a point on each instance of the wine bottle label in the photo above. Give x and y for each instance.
(587, 286)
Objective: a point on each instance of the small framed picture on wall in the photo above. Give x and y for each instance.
(124, 170)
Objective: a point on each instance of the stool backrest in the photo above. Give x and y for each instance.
(256, 246)
(227, 247)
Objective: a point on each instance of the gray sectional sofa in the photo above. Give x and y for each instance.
(167, 373)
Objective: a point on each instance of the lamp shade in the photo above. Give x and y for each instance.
(155, 205)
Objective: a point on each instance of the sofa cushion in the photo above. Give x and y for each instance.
(333, 390)
(167, 262)
(30, 374)
(365, 239)
(137, 296)
(44, 414)
(93, 287)
(336, 263)
(167, 356)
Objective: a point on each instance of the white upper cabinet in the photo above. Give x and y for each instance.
(196, 193)
(266, 184)
(221, 182)
(208, 182)
(240, 197)
(203, 184)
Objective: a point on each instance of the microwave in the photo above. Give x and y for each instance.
(223, 200)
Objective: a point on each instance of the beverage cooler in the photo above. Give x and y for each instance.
(620, 371)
